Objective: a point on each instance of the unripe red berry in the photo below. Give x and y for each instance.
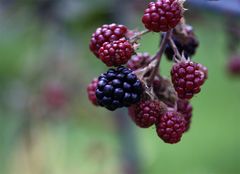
(187, 78)
(162, 15)
(170, 127)
(91, 90)
(106, 33)
(185, 108)
(146, 113)
(116, 53)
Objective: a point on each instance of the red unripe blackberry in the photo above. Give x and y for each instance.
(187, 78)
(91, 90)
(171, 126)
(106, 33)
(185, 108)
(162, 15)
(139, 60)
(146, 113)
(116, 53)
(233, 65)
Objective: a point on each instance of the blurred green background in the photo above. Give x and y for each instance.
(44, 47)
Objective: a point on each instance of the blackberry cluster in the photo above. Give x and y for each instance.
(151, 98)
(162, 15)
(187, 78)
(117, 88)
(138, 61)
(106, 33)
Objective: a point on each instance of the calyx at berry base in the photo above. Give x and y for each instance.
(151, 98)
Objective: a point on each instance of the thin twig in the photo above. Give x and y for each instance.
(144, 70)
(138, 35)
(175, 49)
(158, 56)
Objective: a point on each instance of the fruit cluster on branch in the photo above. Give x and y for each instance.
(151, 98)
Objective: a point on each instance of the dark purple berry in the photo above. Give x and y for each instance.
(121, 87)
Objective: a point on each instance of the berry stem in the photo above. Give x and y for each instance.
(138, 36)
(158, 56)
(177, 55)
(181, 27)
(142, 71)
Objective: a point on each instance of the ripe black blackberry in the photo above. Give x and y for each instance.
(146, 112)
(116, 53)
(171, 126)
(117, 88)
(139, 60)
(106, 33)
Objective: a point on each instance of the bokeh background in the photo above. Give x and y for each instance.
(47, 124)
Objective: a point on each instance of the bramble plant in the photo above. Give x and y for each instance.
(151, 98)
